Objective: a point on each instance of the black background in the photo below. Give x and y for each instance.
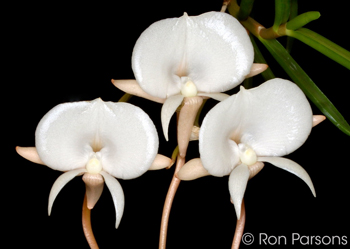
(58, 52)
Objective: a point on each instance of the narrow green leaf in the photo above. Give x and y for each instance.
(323, 45)
(282, 11)
(303, 19)
(293, 9)
(299, 76)
(259, 58)
(245, 9)
(293, 14)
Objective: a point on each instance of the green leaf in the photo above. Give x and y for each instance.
(245, 9)
(303, 19)
(299, 76)
(293, 14)
(259, 58)
(282, 11)
(323, 45)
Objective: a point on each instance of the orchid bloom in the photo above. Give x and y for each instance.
(186, 59)
(249, 128)
(101, 140)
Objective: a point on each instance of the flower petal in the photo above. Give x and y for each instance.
(274, 119)
(237, 184)
(291, 167)
(93, 188)
(219, 154)
(255, 169)
(132, 87)
(192, 170)
(277, 118)
(213, 49)
(122, 135)
(216, 96)
(61, 181)
(29, 153)
(168, 109)
(117, 195)
(256, 69)
(161, 162)
(316, 119)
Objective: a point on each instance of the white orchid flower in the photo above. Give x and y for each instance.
(101, 140)
(249, 128)
(186, 59)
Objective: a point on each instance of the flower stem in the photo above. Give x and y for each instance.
(125, 97)
(239, 228)
(86, 219)
(175, 182)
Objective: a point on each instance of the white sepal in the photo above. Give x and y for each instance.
(117, 195)
(291, 167)
(168, 109)
(61, 181)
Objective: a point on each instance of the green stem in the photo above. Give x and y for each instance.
(125, 97)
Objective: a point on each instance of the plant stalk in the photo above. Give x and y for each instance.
(86, 220)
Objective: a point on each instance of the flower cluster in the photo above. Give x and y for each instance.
(179, 62)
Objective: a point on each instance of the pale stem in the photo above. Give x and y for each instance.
(224, 5)
(86, 219)
(185, 120)
(239, 228)
(175, 182)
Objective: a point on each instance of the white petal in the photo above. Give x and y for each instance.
(132, 87)
(61, 181)
(237, 184)
(291, 167)
(277, 118)
(213, 49)
(316, 119)
(121, 134)
(216, 96)
(117, 195)
(94, 184)
(168, 109)
(274, 119)
(192, 170)
(256, 69)
(161, 162)
(29, 153)
(219, 154)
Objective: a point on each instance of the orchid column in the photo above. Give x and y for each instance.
(180, 61)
